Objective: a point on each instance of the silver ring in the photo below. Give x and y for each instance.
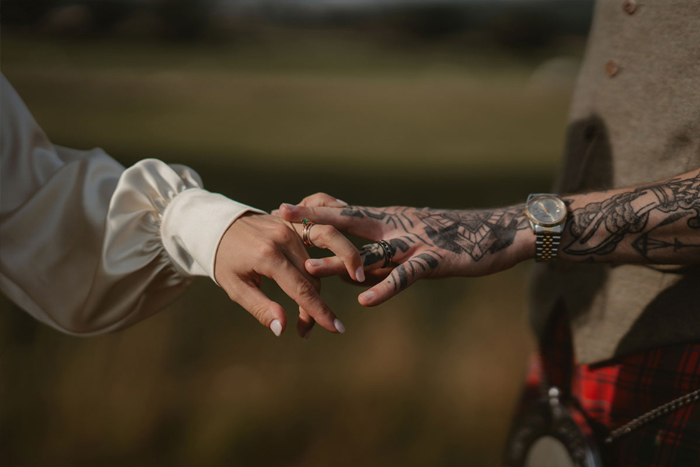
(388, 255)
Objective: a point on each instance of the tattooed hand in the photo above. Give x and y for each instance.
(424, 242)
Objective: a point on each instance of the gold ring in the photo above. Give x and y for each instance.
(305, 239)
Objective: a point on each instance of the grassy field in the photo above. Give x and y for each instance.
(429, 378)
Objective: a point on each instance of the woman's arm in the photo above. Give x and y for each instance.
(657, 223)
(88, 247)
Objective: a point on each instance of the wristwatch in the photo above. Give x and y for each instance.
(547, 214)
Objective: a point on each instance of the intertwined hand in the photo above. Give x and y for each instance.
(422, 242)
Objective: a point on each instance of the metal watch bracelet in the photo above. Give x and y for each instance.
(546, 245)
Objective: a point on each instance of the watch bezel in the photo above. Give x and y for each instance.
(537, 197)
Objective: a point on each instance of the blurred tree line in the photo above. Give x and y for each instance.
(519, 23)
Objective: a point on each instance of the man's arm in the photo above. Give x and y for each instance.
(657, 223)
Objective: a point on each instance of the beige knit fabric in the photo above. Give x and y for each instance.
(635, 118)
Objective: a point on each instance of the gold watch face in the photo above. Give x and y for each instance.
(546, 210)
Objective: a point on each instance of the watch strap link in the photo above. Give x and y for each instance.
(547, 246)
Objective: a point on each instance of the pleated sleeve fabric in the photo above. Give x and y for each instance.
(88, 247)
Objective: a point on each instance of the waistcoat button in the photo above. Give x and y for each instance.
(629, 6)
(612, 68)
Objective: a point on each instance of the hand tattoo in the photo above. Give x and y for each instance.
(471, 233)
(598, 228)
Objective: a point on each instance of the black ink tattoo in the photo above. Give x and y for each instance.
(472, 233)
(405, 273)
(598, 228)
(646, 245)
(373, 253)
(475, 233)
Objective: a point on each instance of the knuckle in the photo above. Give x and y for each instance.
(280, 233)
(316, 197)
(287, 235)
(268, 250)
(326, 232)
(309, 200)
(306, 289)
(258, 311)
(316, 283)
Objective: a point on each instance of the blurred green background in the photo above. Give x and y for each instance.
(401, 106)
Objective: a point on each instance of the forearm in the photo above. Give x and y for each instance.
(657, 223)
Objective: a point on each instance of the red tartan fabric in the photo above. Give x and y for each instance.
(614, 393)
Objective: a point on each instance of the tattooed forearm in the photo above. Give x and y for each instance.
(640, 217)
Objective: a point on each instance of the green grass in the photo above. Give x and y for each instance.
(454, 112)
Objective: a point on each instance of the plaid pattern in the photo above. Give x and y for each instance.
(614, 393)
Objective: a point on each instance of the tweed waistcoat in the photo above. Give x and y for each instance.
(635, 118)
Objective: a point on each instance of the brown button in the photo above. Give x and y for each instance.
(612, 68)
(629, 6)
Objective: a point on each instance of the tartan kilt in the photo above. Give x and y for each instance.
(613, 393)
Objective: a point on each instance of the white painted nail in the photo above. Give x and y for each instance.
(367, 296)
(291, 207)
(341, 202)
(339, 326)
(276, 327)
(315, 262)
(360, 274)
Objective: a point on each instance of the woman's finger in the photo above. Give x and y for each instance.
(269, 313)
(305, 324)
(296, 254)
(373, 257)
(401, 277)
(303, 291)
(326, 236)
(343, 219)
(371, 277)
(323, 200)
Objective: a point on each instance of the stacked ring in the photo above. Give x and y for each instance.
(388, 255)
(305, 239)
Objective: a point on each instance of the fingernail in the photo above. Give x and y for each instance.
(360, 274)
(341, 202)
(276, 327)
(367, 296)
(291, 207)
(275, 212)
(315, 262)
(339, 326)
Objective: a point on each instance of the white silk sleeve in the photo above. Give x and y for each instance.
(88, 247)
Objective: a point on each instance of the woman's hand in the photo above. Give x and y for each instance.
(258, 245)
(423, 242)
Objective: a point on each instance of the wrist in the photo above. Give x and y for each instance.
(525, 244)
(192, 228)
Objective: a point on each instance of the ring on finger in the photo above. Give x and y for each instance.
(305, 238)
(388, 255)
